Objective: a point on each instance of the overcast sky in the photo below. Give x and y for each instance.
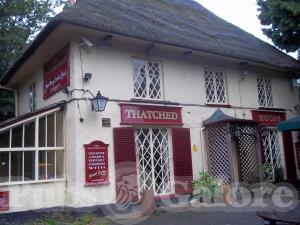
(242, 13)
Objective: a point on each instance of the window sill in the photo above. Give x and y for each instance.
(153, 101)
(32, 182)
(218, 105)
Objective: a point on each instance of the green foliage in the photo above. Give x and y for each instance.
(281, 19)
(66, 219)
(268, 170)
(7, 105)
(206, 185)
(19, 23)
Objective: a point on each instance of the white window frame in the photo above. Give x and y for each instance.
(265, 100)
(32, 97)
(146, 62)
(36, 149)
(215, 102)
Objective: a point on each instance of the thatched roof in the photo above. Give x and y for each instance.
(181, 23)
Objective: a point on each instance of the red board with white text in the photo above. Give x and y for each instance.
(57, 72)
(149, 114)
(268, 118)
(96, 163)
(4, 200)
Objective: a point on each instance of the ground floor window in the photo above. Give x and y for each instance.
(153, 160)
(272, 154)
(33, 150)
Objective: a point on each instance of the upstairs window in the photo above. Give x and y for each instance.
(147, 79)
(32, 98)
(215, 87)
(264, 88)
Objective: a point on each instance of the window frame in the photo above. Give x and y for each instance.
(32, 97)
(265, 100)
(35, 149)
(214, 71)
(146, 62)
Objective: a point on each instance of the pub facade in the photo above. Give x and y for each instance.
(171, 111)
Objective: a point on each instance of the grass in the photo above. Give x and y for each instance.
(67, 219)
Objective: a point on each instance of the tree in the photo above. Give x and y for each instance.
(20, 21)
(281, 19)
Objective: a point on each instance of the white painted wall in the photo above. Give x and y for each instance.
(183, 82)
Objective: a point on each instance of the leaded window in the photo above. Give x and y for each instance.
(147, 79)
(215, 87)
(264, 88)
(32, 98)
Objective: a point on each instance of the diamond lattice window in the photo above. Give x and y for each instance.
(215, 87)
(272, 153)
(153, 160)
(264, 88)
(147, 79)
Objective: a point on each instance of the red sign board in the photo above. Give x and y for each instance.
(268, 118)
(57, 73)
(148, 114)
(4, 200)
(96, 163)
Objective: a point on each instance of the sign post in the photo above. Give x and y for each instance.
(96, 163)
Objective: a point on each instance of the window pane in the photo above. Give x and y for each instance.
(29, 134)
(42, 124)
(42, 165)
(59, 164)
(50, 130)
(59, 129)
(4, 139)
(16, 166)
(139, 78)
(50, 164)
(29, 165)
(17, 135)
(4, 157)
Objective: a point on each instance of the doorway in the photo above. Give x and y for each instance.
(153, 160)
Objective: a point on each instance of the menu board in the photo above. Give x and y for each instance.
(96, 163)
(4, 200)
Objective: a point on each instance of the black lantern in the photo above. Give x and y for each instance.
(99, 103)
(236, 131)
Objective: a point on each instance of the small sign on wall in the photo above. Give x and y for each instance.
(4, 200)
(268, 118)
(57, 72)
(96, 163)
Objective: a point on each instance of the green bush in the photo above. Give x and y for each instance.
(206, 185)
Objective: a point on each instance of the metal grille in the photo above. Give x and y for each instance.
(215, 87)
(264, 88)
(272, 153)
(218, 152)
(153, 160)
(248, 155)
(147, 83)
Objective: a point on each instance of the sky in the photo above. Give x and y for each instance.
(242, 13)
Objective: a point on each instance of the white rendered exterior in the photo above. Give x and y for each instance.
(112, 69)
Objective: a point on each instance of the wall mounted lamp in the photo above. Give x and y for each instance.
(99, 103)
(87, 76)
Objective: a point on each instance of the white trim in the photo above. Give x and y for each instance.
(32, 182)
(32, 149)
(29, 119)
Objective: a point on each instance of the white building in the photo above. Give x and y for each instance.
(166, 66)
